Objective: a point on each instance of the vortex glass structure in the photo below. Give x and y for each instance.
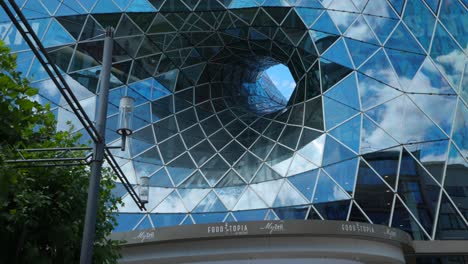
(376, 129)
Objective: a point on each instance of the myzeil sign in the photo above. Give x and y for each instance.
(145, 235)
(243, 229)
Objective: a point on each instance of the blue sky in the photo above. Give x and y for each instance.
(282, 79)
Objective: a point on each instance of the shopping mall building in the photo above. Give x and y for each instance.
(365, 161)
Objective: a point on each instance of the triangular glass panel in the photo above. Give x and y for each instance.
(251, 215)
(145, 224)
(418, 190)
(360, 51)
(205, 218)
(382, 26)
(331, 73)
(433, 4)
(349, 133)
(276, 3)
(359, 4)
(211, 203)
(373, 195)
(160, 25)
(426, 129)
(442, 115)
(290, 136)
(288, 196)
(168, 79)
(195, 181)
(300, 165)
(34, 9)
(107, 20)
(311, 147)
(248, 165)
(249, 200)
(344, 173)
(143, 21)
(73, 24)
(194, 72)
(420, 21)
(105, 6)
(127, 28)
(163, 220)
(360, 30)
(431, 155)
(140, 6)
(56, 35)
(230, 195)
(144, 168)
(293, 20)
(271, 215)
(398, 5)
(313, 215)
(214, 169)
(356, 215)
(265, 173)
(230, 218)
(279, 159)
(262, 19)
(308, 15)
(382, 113)
(443, 48)
(231, 179)
(336, 112)
(126, 222)
(429, 80)
(385, 163)
(335, 152)
(373, 138)
(246, 15)
(325, 24)
(345, 92)
(322, 41)
(451, 12)
(338, 53)
(460, 128)
(334, 210)
(406, 64)
(450, 225)
(292, 213)
(160, 179)
(174, 6)
(328, 191)
(379, 68)
(202, 152)
(267, 190)
(305, 182)
(455, 184)
(342, 19)
(404, 221)
(232, 152)
(379, 8)
(66, 10)
(401, 39)
(374, 92)
(191, 197)
(171, 204)
(180, 168)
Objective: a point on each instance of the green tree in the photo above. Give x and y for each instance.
(42, 209)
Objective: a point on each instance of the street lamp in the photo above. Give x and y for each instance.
(125, 118)
(144, 189)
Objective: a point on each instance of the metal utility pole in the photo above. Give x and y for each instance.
(89, 229)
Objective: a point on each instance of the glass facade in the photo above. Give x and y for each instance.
(376, 129)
